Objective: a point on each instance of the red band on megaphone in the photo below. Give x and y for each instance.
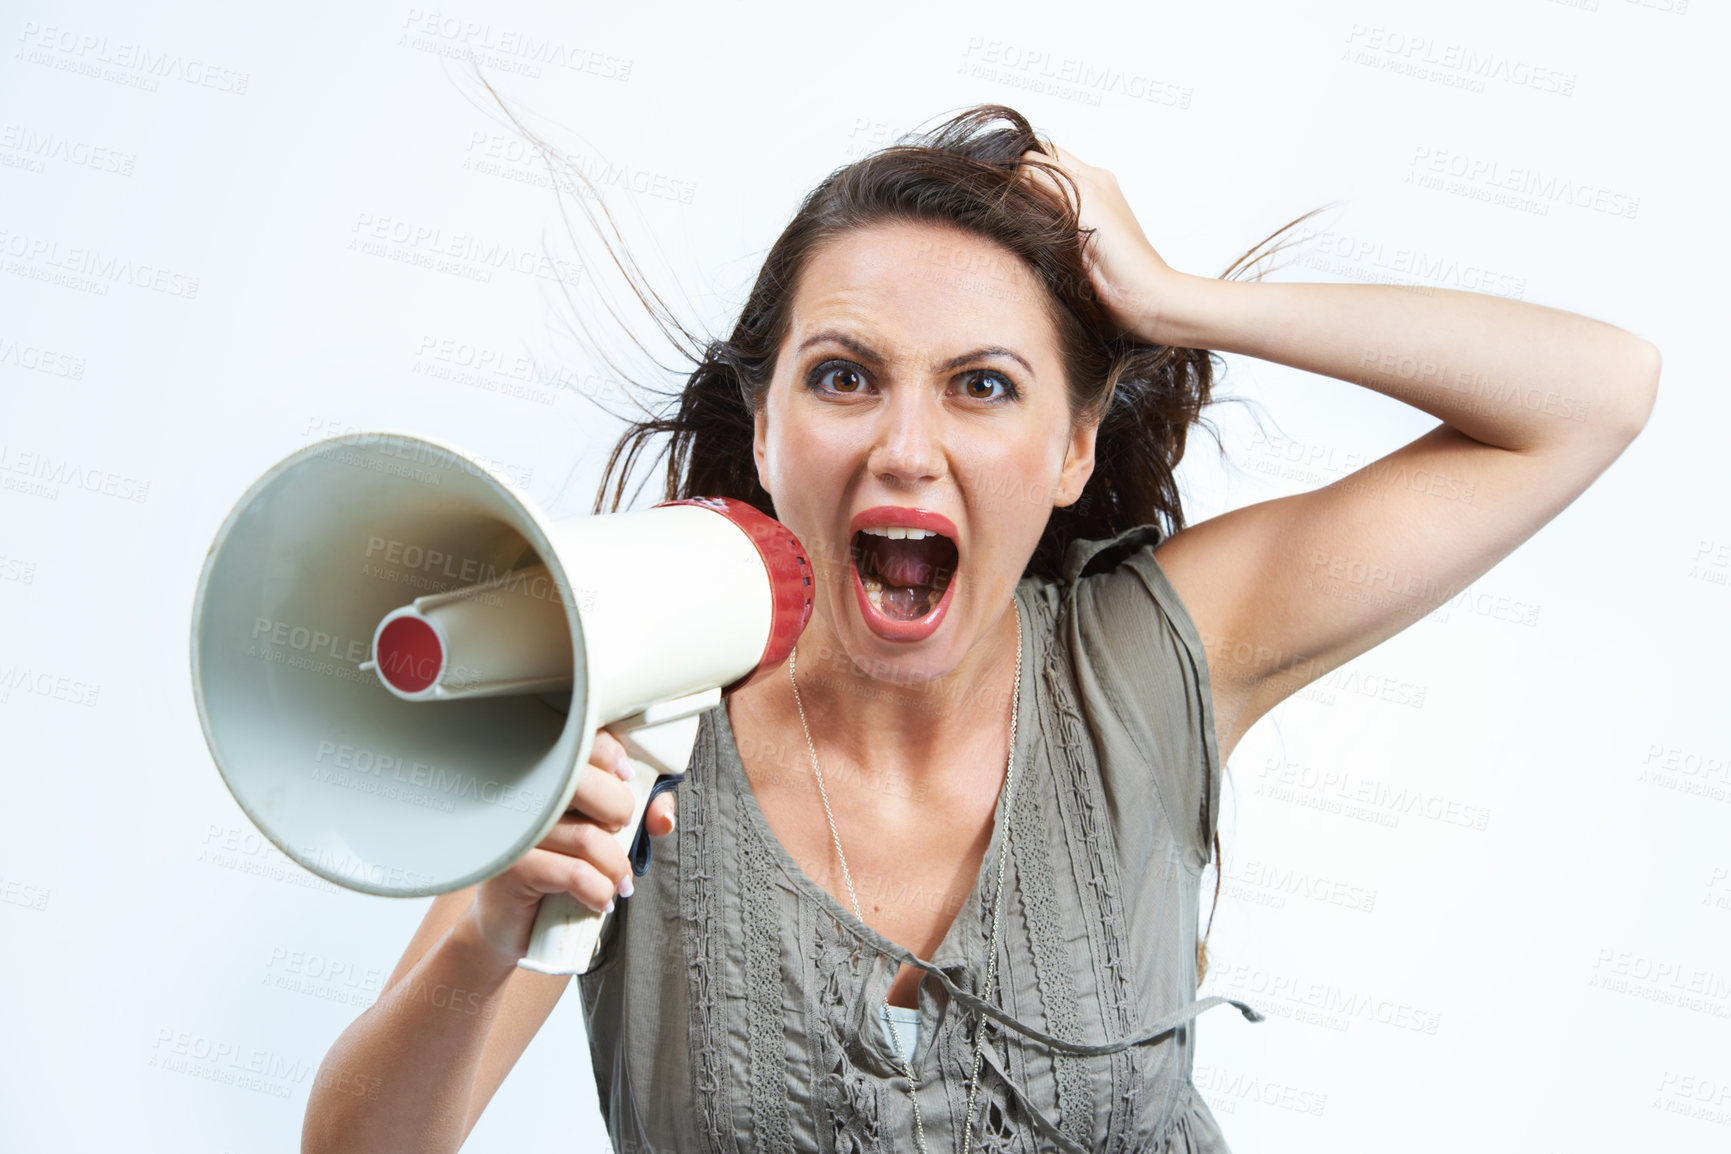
(789, 577)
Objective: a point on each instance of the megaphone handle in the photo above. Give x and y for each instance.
(659, 741)
(567, 931)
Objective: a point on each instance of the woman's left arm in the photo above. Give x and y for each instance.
(1506, 373)
(1535, 404)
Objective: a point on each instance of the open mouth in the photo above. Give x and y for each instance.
(904, 571)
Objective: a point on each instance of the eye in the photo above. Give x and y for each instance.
(845, 378)
(978, 385)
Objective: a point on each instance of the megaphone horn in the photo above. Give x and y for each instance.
(400, 662)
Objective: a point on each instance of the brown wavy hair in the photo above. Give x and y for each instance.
(961, 174)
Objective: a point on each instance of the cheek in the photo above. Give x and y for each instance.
(1016, 488)
(794, 462)
(808, 476)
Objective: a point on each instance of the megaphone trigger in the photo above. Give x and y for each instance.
(640, 844)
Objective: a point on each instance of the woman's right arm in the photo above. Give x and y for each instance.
(415, 1070)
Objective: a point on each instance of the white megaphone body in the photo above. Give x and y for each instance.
(400, 663)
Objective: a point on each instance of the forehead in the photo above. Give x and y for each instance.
(918, 286)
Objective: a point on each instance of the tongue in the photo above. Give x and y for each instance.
(904, 563)
(904, 603)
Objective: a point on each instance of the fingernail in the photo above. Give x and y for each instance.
(626, 770)
(609, 908)
(626, 889)
(672, 822)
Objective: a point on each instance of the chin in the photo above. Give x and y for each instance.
(901, 661)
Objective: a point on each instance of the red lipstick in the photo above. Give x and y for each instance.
(880, 515)
(885, 626)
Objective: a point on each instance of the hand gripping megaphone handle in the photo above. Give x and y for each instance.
(658, 741)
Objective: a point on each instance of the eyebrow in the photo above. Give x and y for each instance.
(866, 353)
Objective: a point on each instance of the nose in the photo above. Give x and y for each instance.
(908, 450)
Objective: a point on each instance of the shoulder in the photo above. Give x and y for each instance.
(1113, 592)
(1094, 565)
(1120, 590)
(1143, 574)
(1140, 674)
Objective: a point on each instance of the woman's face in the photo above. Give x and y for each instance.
(920, 387)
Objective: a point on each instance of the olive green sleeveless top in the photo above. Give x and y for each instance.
(735, 1006)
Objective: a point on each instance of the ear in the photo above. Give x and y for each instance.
(759, 434)
(1078, 464)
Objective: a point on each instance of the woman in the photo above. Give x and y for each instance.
(985, 785)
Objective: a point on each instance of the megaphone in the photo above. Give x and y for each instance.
(400, 662)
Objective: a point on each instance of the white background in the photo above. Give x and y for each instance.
(191, 203)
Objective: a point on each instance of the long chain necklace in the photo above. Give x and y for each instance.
(997, 898)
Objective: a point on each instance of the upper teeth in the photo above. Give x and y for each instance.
(898, 532)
